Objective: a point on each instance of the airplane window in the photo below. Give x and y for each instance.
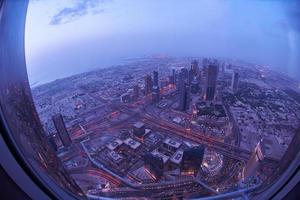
(160, 99)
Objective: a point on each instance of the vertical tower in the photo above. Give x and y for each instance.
(223, 67)
(173, 80)
(235, 81)
(184, 94)
(254, 162)
(181, 89)
(211, 81)
(135, 92)
(148, 84)
(61, 130)
(191, 76)
(52, 142)
(154, 166)
(195, 67)
(191, 160)
(194, 86)
(155, 78)
(155, 89)
(204, 62)
(185, 73)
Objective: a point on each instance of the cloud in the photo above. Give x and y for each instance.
(77, 10)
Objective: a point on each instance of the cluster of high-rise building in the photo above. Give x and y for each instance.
(196, 80)
(151, 156)
(188, 81)
(189, 164)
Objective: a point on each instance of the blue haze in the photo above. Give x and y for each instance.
(66, 37)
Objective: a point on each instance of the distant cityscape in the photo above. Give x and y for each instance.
(172, 128)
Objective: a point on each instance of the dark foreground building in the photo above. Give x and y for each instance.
(19, 112)
(61, 130)
(254, 162)
(139, 129)
(52, 142)
(191, 160)
(154, 166)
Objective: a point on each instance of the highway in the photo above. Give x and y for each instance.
(141, 188)
(139, 111)
(226, 149)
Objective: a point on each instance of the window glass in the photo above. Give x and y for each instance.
(167, 99)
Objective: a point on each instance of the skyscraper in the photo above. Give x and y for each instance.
(139, 129)
(235, 81)
(194, 86)
(223, 67)
(254, 162)
(135, 92)
(155, 89)
(155, 94)
(154, 166)
(155, 78)
(148, 84)
(211, 81)
(185, 73)
(173, 77)
(61, 130)
(52, 142)
(195, 67)
(191, 76)
(184, 94)
(191, 160)
(205, 62)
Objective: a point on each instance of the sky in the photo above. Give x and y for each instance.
(67, 37)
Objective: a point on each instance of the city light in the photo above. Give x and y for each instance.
(167, 124)
(149, 115)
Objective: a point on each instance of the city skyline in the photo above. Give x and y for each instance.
(193, 128)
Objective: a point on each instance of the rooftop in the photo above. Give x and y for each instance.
(115, 156)
(114, 144)
(172, 143)
(163, 156)
(132, 143)
(177, 157)
(139, 125)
